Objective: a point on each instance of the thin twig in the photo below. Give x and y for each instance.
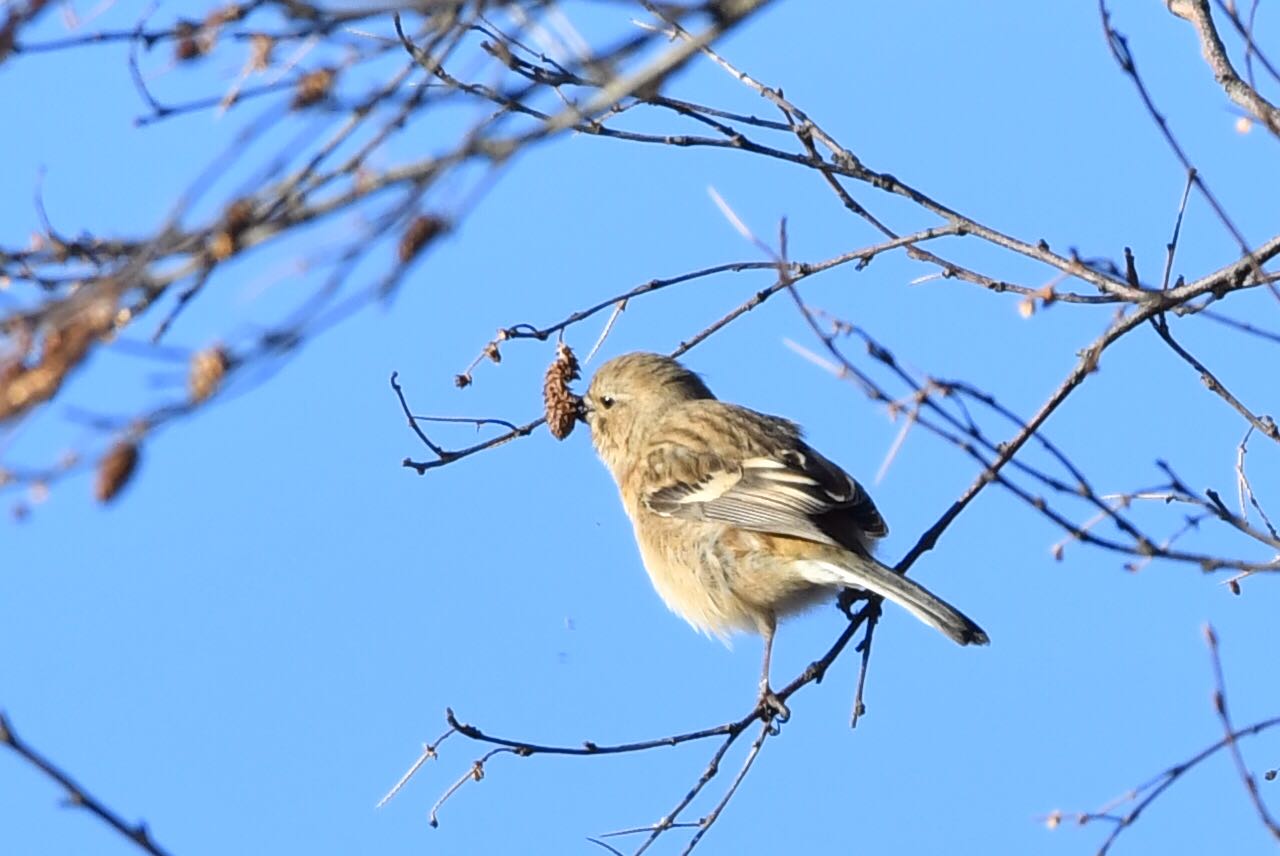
(1172, 246)
(429, 751)
(77, 795)
(1237, 757)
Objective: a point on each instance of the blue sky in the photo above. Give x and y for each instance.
(251, 646)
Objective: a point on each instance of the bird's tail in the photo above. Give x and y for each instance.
(871, 575)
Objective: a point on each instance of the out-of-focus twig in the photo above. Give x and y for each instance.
(77, 795)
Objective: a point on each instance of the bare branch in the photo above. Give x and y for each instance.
(77, 795)
(1196, 12)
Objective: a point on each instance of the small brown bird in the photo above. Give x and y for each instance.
(738, 520)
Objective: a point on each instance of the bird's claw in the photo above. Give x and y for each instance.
(772, 707)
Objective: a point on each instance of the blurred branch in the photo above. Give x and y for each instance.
(20, 14)
(77, 796)
(92, 289)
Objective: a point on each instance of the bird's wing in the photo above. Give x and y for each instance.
(779, 485)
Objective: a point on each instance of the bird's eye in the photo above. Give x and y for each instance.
(606, 401)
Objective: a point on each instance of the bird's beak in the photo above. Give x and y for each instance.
(584, 411)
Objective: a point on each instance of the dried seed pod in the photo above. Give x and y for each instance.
(208, 367)
(222, 246)
(314, 87)
(228, 14)
(562, 405)
(115, 469)
(63, 348)
(188, 48)
(224, 242)
(500, 52)
(238, 216)
(421, 231)
(260, 47)
(190, 41)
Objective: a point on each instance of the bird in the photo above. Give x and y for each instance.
(739, 522)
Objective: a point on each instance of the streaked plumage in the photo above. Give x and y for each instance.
(738, 520)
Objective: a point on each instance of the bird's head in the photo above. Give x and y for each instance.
(627, 395)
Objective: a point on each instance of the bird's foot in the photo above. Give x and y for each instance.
(770, 706)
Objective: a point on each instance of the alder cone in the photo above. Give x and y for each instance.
(562, 405)
(208, 368)
(115, 469)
